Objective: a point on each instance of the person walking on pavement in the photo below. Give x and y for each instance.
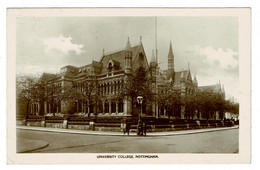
(139, 127)
(127, 127)
(144, 128)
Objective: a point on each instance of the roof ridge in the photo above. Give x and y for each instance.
(118, 50)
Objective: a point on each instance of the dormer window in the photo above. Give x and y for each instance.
(141, 56)
(110, 67)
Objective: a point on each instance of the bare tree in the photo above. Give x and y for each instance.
(25, 90)
(85, 91)
(137, 84)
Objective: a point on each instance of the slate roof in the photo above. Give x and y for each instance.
(210, 87)
(47, 76)
(118, 58)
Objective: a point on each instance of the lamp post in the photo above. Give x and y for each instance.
(140, 101)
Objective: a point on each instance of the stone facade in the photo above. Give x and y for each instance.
(109, 74)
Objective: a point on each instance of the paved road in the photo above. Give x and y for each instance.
(225, 141)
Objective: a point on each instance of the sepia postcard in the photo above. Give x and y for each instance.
(128, 85)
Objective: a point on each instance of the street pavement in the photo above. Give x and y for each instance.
(52, 140)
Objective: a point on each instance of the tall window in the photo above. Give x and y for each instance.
(113, 106)
(100, 106)
(106, 107)
(120, 106)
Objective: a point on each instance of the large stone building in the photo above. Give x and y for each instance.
(110, 73)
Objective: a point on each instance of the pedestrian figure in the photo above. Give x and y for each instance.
(139, 127)
(144, 128)
(198, 123)
(127, 127)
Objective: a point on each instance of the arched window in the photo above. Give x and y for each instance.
(106, 107)
(91, 107)
(120, 106)
(100, 106)
(110, 66)
(113, 106)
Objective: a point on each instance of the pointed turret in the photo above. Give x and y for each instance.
(153, 60)
(153, 64)
(170, 50)
(128, 58)
(182, 81)
(128, 45)
(171, 59)
(195, 82)
(182, 76)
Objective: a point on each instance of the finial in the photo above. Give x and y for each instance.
(103, 52)
(140, 38)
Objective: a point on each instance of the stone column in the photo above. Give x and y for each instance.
(109, 90)
(127, 107)
(107, 87)
(109, 103)
(82, 107)
(114, 85)
(103, 103)
(113, 88)
(116, 107)
(50, 109)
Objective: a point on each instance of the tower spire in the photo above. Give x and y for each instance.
(170, 58)
(128, 45)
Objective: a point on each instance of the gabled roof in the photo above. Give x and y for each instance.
(117, 57)
(47, 76)
(209, 87)
(177, 76)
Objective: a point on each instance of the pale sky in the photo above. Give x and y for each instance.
(209, 44)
